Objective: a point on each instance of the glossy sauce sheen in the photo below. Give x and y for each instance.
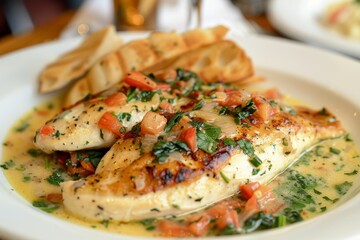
(330, 169)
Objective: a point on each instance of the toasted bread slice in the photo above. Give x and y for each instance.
(139, 55)
(77, 62)
(222, 61)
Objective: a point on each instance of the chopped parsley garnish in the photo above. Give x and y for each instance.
(123, 117)
(343, 188)
(34, 152)
(26, 178)
(55, 178)
(22, 127)
(205, 142)
(246, 146)
(352, 173)
(45, 206)
(334, 150)
(173, 121)
(57, 134)
(148, 224)
(206, 136)
(255, 160)
(224, 177)
(8, 164)
(330, 200)
(131, 94)
(239, 113)
(146, 96)
(255, 171)
(162, 149)
(136, 129)
(229, 142)
(347, 138)
(105, 223)
(198, 106)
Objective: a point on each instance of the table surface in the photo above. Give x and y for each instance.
(52, 30)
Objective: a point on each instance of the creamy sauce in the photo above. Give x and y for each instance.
(323, 174)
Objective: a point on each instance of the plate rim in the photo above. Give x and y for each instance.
(241, 40)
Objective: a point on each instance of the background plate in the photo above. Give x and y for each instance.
(300, 20)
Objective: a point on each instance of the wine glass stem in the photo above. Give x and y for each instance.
(194, 19)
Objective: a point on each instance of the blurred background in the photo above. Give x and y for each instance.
(21, 16)
(24, 23)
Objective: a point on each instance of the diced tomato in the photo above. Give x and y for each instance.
(267, 201)
(42, 112)
(264, 109)
(109, 122)
(251, 207)
(189, 136)
(163, 87)
(166, 74)
(61, 157)
(200, 226)
(47, 130)
(228, 217)
(116, 99)
(139, 80)
(87, 166)
(152, 123)
(272, 93)
(78, 171)
(236, 98)
(173, 229)
(248, 190)
(165, 105)
(224, 215)
(54, 198)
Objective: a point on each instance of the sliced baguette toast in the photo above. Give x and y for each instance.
(139, 55)
(222, 61)
(77, 62)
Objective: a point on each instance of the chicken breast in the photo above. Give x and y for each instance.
(173, 179)
(77, 127)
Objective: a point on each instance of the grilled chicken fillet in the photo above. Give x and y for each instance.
(135, 187)
(178, 145)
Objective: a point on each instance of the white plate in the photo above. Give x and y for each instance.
(300, 20)
(302, 71)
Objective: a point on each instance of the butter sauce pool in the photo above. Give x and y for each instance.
(313, 185)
